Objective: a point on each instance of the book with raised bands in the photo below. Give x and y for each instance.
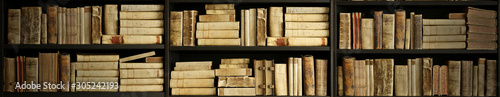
(348, 68)
(345, 31)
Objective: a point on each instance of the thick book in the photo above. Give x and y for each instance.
(31, 72)
(348, 68)
(138, 56)
(192, 74)
(307, 41)
(261, 26)
(141, 31)
(221, 11)
(280, 78)
(9, 74)
(482, 29)
(176, 28)
(443, 80)
(96, 24)
(141, 65)
(154, 60)
(141, 88)
(218, 25)
(480, 13)
(31, 25)
(401, 80)
(97, 57)
(378, 29)
(236, 92)
(277, 41)
(189, 27)
(481, 63)
(444, 45)
(217, 18)
(219, 42)
(307, 26)
(454, 78)
(242, 28)
(435, 80)
(141, 73)
(124, 15)
(466, 78)
(52, 21)
(251, 22)
(47, 64)
(222, 66)
(97, 73)
(418, 31)
(478, 45)
(236, 82)
(307, 9)
(96, 79)
(292, 17)
(457, 15)
(218, 6)
(110, 19)
(388, 32)
(275, 21)
(214, 34)
(193, 91)
(233, 72)
(291, 76)
(340, 81)
(193, 63)
(65, 70)
(141, 23)
(138, 7)
(481, 37)
(356, 18)
(321, 76)
(43, 39)
(384, 84)
(145, 81)
(443, 22)
(491, 78)
(427, 76)
(95, 65)
(408, 35)
(345, 31)
(137, 39)
(444, 38)
(308, 33)
(235, 60)
(360, 85)
(309, 75)
(444, 30)
(367, 38)
(87, 20)
(14, 26)
(400, 29)
(191, 83)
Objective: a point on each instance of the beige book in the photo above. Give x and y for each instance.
(217, 18)
(321, 76)
(371, 79)
(141, 88)
(97, 57)
(251, 27)
(367, 33)
(192, 74)
(307, 26)
(133, 39)
(299, 76)
(14, 26)
(401, 80)
(193, 63)
(276, 21)
(141, 23)
(212, 34)
(444, 30)
(444, 38)
(223, 66)
(194, 91)
(291, 76)
(340, 81)
(191, 83)
(97, 73)
(388, 31)
(111, 19)
(444, 45)
(141, 73)
(280, 78)
(307, 41)
(277, 41)
(233, 72)
(124, 15)
(136, 7)
(31, 25)
(87, 39)
(72, 76)
(96, 24)
(454, 71)
(360, 86)
(219, 42)
(43, 32)
(176, 23)
(408, 34)
(145, 81)
(491, 78)
(427, 76)
(236, 82)
(60, 24)
(10, 74)
(307, 10)
(291, 17)
(31, 72)
(221, 11)
(242, 28)
(260, 78)
(235, 60)
(217, 26)
(236, 92)
(345, 31)
(307, 33)
(138, 56)
(97, 90)
(141, 65)
(481, 62)
(261, 26)
(189, 24)
(81, 27)
(141, 31)
(218, 6)
(475, 80)
(192, 68)
(447, 22)
(96, 79)
(112, 39)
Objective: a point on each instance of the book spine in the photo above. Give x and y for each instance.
(290, 76)
(482, 29)
(82, 30)
(149, 81)
(345, 31)
(475, 45)
(401, 80)
(31, 70)
(247, 34)
(97, 73)
(252, 34)
(143, 8)
(194, 68)
(481, 76)
(443, 80)
(141, 65)
(444, 38)
(412, 30)
(367, 34)
(371, 85)
(340, 81)
(31, 25)
(482, 22)
(457, 15)
(454, 78)
(400, 25)
(307, 41)
(154, 59)
(111, 19)
(309, 80)
(14, 26)
(97, 58)
(138, 56)
(388, 31)
(221, 11)
(408, 34)
(444, 45)
(194, 91)
(141, 73)
(435, 80)
(300, 78)
(355, 30)
(236, 92)
(348, 66)
(281, 80)
(360, 78)
(124, 15)
(217, 18)
(65, 70)
(444, 30)
(10, 74)
(221, 66)
(491, 78)
(64, 25)
(141, 31)
(193, 63)
(238, 82)
(192, 74)
(242, 28)
(189, 24)
(219, 42)
(214, 34)
(307, 26)
(131, 39)
(307, 33)
(474, 81)
(176, 30)
(307, 9)
(261, 26)
(378, 22)
(191, 83)
(269, 75)
(52, 26)
(218, 26)
(296, 77)
(481, 13)
(276, 21)
(44, 29)
(141, 23)
(291, 17)
(321, 69)
(141, 88)
(418, 31)
(96, 24)
(427, 76)
(218, 6)
(481, 37)
(466, 78)
(383, 84)
(233, 72)
(88, 25)
(72, 76)
(443, 22)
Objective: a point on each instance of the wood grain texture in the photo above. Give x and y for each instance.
(14, 26)
(111, 19)
(491, 78)
(176, 28)
(276, 21)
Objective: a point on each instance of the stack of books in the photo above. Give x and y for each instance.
(193, 78)
(96, 69)
(234, 78)
(141, 77)
(482, 33)
(218, 29)
(444, 33)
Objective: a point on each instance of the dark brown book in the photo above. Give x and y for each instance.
(321, 70)
(384, 79)
(454, 68)
(14, 26)
(47, 65)
(308, 72)
(30, 25)
(481, 62)
(348, 66)
(418, 31)
(261, 26)
(52, 24)
(96, 24)
(466, 78)
(64, 70)
(491, 78)
(378, 29)
(400, 29)
(427, 76)
(189, 27)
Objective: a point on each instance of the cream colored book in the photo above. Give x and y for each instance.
(110, 19)
(224, 66)
(233, 72)
(236, 82)
(191, 83)
(444, 30)
(407, 35)
(307, 41)
(307, 10)
(242, 28)
(448, 22)
(401, 80)
(193, 74)
(81, 26)
(236, 92)
(218, 26)
(141, 65)
(97, 90)
(291, 17)
(444, 45)
(138, 56)
(218, 6)
(221, 11)
(176, 28)
(280, 78)
(145, 81)
(388, 31)
(194, 91)
(444, 38)
(141, 31)
(277, 41)
(141, 88)
(307, 26)
(124, 15)
(212, 34)
(137, 7)
(141, 73)
(97, 57)
(276, 21)
(141, 23)
(307, 33)
(95, 65)
(97, 73)
(219, 42)
(367, 39)
(193, 63)
(87, 25)
(192, 68)
(72, 76)
(252, 28)
(217, 18)
(112, 39)
(96, 79)
(135, 39)
(235, 60)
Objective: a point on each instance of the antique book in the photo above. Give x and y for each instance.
(435, 80)
(9, 74)
(110, 19)
(213, 34)
(443, 22)
(95, 65)
(457, 15)
(378, 23)
(367, 34)
(72, 76)
(480, 13)
(87, 39)
(444, 30)
(443, 80)
(242, 28)
(384, 83)
(280, 78)
(96, 24)
(97, 73)
(14, 26)
(307, 26)
(307, 33)
(418, 32)
(65, 70)
(419, 82)
(151, 81)
(370, 81)
(413, 76)
(192, 74)
(96, 57)
(222, 66)
(360, 74)
(141, 88)
(61, 23)
(217, 26)
(481, 37)
(277, 41)
(193, 63)
(348, 68)
(260, 79)
(299, 76)
(412, 32)
(474, 80)
(141, 31)
(31, 72)
(236, 92)
(251, 35)
(141, 23)
(217, 18)
(454, 78)
(31, 25)
(345, 31)
(124, 15)
(400, 28)
(408, 34)
(356, 30)
(307, 10)
(401, 80)
(444, 45)
(233, 72)
(444, 38)
(20, 71)
(292, 17)
(291, 77)
(482, 29)
(481, 63)
(189, 24)
(477, 45)
(235, 60)
(138, 56)
(81, 26)
(236, 82)
(388, 32)
(141, 65)
(308, 74)
(52, 26)
(193, 91)
(427, 76)
(269, 76)
(136, 39)
(47, 64)
(221, 11)
(43, 35)
(491, 78)
(136, 7)
(261, 26)
(141, 73)
(340, 81)
(307, 41)
(219, 42)
(96, 79)
(154, 60)
(466, 78)
(218, 6)
(192, 68)
(69, 25)
(191, 83)
(275, 21)
(176, 28)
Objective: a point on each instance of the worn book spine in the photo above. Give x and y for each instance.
(307, 33)
(112, 39)
(307, 41)
(124, 15)
(95, 65)
(193, 63)
(52, 21)
(242, 28)
(443, 80)
(481, 62)
(466, 78)
(219, 42)
(96, 24)
(355, 30)
(141, 23)
(410, 76)
(31, 72)
(418, 77)
(252, 27)
(141, 31)
(378, 23)
(277, 41)
(321, 76)
(454, 78)
(444, 30)
(481, 37)
(261, 26)
(348, 68)
(474, 81)
(427, 76)
(138, 56)
(221, 66)
(307, 9)
(97, 73)
(192, 74)
(14, 26)
(48, 63)
(72, 76)
(194, 91)
(9, 74)
(236, 82)
(111, 19)
(280, 78)
(408, 34)
(233, 72)
(296, 76)
(235, 60)
(478, 45)
(291, 17)
(412, 31)
(457, 16)
(260, 80)
(435, 80)
(384, 83)
(400, 25)
(176, 28)
(141, 88)
(299, 77)
(444, 38)
(444, 45)
(143, 8)
(96, 58)
(443, 22)
(60, 24)
(191, 83)
(141, 73)
(360, 78)
(481, 13)
(308, 73)
(388, 32)
(371, 85)
(218, 25)
(70, 23)
(78, 37)
(217, 18)
(367, 34)
(269, 75)
(31, 25)
(418, 31)
(192, 68)
(87, 15)
(491, 78)
(276, 21)
(481, 29)
(221, 11)
(64, 25)
(290, 76)
(65, 70)
(482, 22)
(340, 81)
(401, 80)
(236, 92)
(218, 6)
(154, 60)
(307, 25)
(148, 81)
(345, 31)
(43, 34)
(132, 39)
(213, 34)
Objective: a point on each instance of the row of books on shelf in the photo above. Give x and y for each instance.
(299, 26)
(394, 31)
(139, 24)
(54, 72)
(420, 77)
(301, 75)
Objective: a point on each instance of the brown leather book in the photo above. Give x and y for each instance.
(96, 24)
(52, 24)
(378, 20)
(360, 78)
(64, 70)
(481, 13)
(482, 22)
(340, 81)
(14, 26)
(435, 80)
(31, 25)
(189, 27)
(261, 26)
(385, 77)
(477, 45)
(466, 78)
(491, 78)
(348, 66)
(321, 69)
(308, 73)
(418, 31)
(482, 29)
(481, 37)
(345, 31)
(454, 71)
(427, 76)
(48, 63)
(400, 19)
(481, 62)
(443, 80)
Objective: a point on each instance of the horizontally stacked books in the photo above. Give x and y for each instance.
(141, 77)
(95, 69)
(193, 78)
(482, 33)
(218, 29)
(444, 33)
(380, 77)
(234, 78)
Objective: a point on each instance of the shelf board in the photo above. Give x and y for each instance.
(417, 51)
(85, 46)
(249, 1)
(85, 94)
(247, 48)
(417, 3)
(251, 96)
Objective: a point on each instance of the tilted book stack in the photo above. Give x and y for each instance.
(218, 29)
(234, 78)
(482, 33)
(141, 77)
(193, 78)
(95, 69)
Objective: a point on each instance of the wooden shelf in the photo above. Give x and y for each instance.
(85, 94)
(243, 48)
(417, 51)
(417, 3)
(251, 96)
(84, 46)
(249, 1)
